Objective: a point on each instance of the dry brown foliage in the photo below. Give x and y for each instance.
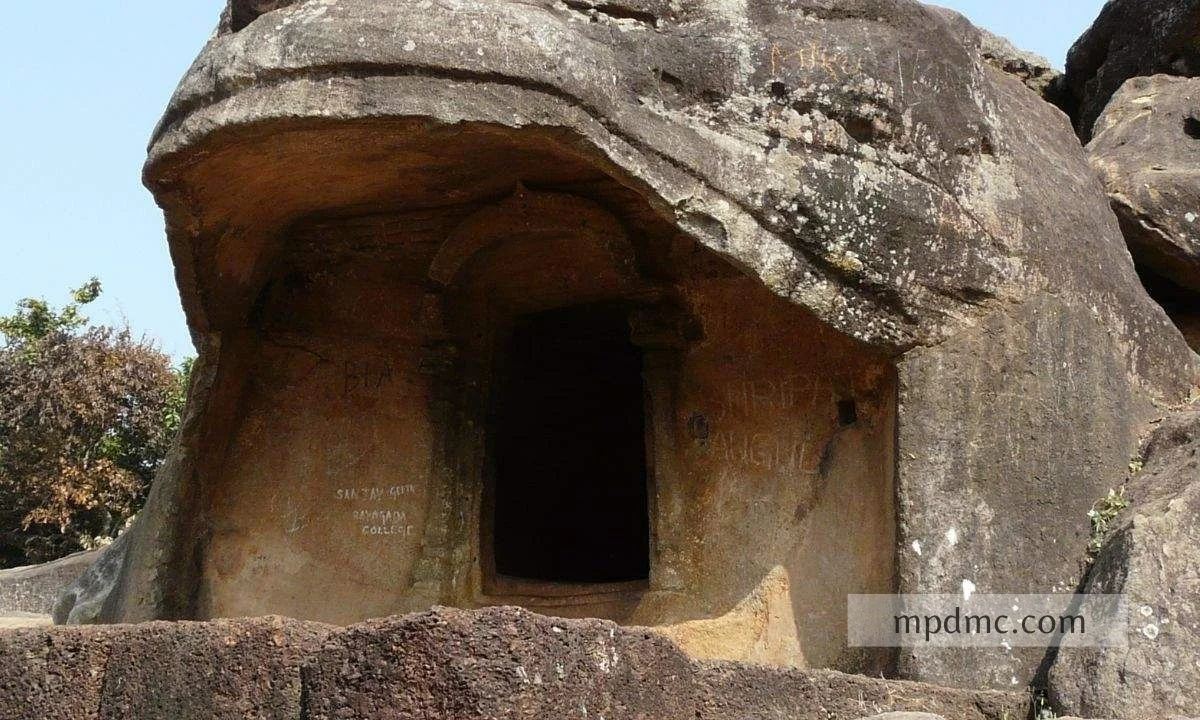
(85, 421)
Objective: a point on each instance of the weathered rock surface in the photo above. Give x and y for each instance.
(82, 600)
(240, 13)
(1153, 558)
(1032, 69)
(958, 518)
(498, 663)
(1130, 38)
(235, 669)
(1146, 149)
(745, 148)
(860, 160)
(36, 588)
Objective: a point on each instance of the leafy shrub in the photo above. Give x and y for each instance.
(86, 417)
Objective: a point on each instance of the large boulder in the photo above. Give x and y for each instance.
(1153, 558)
(1130, 38)
(765, 134)
(859, 159)
(440, 665)
(1146, 149)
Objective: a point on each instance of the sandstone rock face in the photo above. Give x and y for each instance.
(1131, 38)
(1153, 558)
(445, 664)
(877, 299)
(36, 588)
(1146, 148)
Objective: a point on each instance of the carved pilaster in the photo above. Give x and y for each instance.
(664, 331)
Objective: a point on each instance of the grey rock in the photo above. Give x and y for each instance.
(1146, 149)
(1130, 38)
(1146, 152)
(240, 13)
(81, 602)
(1032, 69)
(1153, 558)
(904, 716)
(1064, 455)
(35, 588)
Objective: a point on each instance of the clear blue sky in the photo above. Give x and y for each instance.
(84, 83)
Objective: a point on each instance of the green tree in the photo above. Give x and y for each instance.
(86, 417)
(35, 320)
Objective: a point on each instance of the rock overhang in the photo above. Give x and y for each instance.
(855, 157)
(767, 133)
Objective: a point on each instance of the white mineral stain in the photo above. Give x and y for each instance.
(968, 589)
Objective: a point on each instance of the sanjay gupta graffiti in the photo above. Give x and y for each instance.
(391, 521)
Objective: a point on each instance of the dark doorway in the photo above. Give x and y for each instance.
(568, 448)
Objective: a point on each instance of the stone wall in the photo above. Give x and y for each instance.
(446, 664)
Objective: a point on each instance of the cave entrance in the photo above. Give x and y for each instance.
(567, 440)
